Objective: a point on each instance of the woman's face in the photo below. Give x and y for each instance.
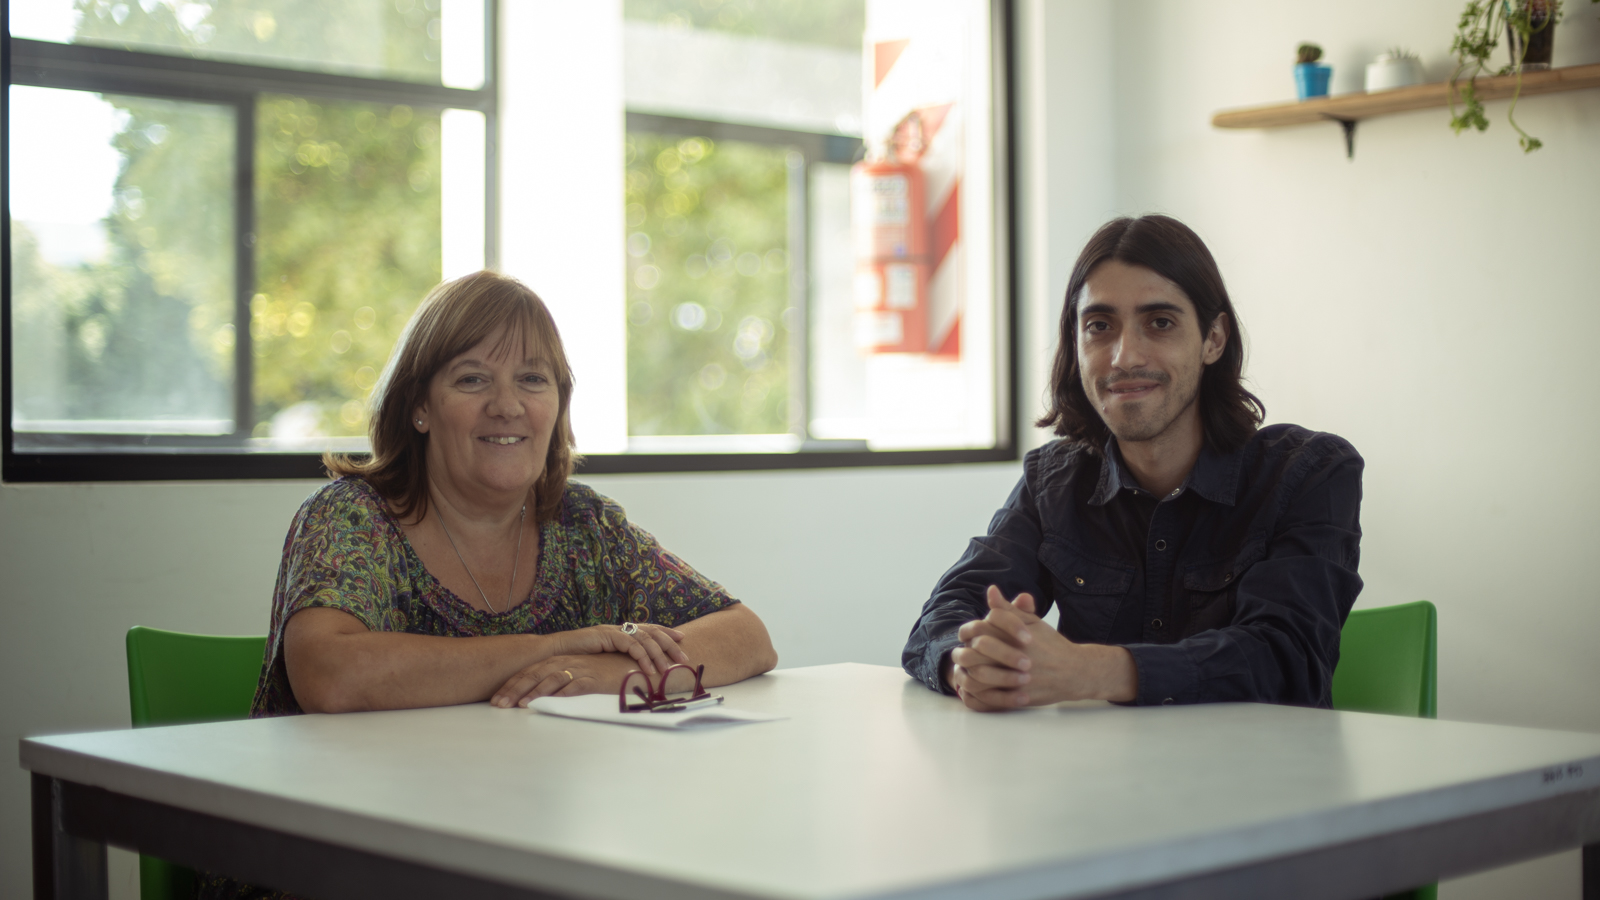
(489, 416)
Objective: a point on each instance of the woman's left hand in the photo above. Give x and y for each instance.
(568, 676)
(653, 647)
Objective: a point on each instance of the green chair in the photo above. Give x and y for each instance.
(1388, 663)
(176, 678)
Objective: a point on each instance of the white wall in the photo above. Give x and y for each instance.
(836, 562)
(1433, 300)
(1380, 298)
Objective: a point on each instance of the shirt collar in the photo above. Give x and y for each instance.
(1112, 480)
(1214, 476)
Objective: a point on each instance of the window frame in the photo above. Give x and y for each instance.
(209, 458)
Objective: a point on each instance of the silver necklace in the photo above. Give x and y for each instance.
(516, 557)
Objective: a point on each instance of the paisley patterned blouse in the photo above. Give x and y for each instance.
(345, 551)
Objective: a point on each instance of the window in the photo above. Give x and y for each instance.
(222, 214)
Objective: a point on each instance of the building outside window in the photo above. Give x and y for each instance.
(773, 232)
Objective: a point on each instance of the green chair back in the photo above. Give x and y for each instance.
(1388, 663)
(176, 678)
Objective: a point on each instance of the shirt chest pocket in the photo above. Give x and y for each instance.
(1088, 592)
(1210, 588)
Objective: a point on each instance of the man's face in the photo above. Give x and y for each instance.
(1141, 352)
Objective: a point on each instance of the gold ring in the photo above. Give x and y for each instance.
(570, 677)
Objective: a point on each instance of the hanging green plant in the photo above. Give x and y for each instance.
(1528, 26)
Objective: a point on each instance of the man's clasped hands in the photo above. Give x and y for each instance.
(1012, 658)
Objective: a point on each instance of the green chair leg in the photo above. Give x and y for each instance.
(1388, 663)
(174, 678)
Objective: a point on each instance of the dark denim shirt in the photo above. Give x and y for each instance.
(1232, 588)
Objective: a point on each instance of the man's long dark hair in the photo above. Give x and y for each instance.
(1229, 413)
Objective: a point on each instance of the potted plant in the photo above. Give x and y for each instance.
(1310, 76)
(1395, 68)
(1529, 26)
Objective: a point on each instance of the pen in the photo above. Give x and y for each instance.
(690, 704)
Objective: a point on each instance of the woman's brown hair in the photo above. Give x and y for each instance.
(1229, 413)
(451, 320)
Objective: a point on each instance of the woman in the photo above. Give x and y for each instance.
(458, 564)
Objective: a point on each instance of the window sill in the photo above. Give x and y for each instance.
(188, 463)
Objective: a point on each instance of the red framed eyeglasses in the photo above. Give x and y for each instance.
(653, 696)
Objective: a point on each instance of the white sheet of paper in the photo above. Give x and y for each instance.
(603, 708)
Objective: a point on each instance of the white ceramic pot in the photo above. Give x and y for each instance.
(1388, 73)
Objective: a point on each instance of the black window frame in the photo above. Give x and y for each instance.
(101, 69)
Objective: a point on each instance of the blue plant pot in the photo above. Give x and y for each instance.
(1311, 79)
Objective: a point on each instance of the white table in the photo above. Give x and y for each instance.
(874, 787)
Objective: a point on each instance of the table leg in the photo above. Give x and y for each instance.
(1591, 872)
(65, 866)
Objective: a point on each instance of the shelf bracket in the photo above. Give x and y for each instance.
(1349, 126)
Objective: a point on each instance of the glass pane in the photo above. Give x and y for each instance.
(348, 241)
(428, 41)
(838, 368)
(122, 250)
(897, 248)
(708, 301)
(793, 64)
(829, 23)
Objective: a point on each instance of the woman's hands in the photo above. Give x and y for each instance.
(591, 660)
(568, 676)
(652, 647)
(731, 643)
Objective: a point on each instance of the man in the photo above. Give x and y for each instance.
(1194, 557)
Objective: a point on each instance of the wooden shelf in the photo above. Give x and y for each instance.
(1355, 107)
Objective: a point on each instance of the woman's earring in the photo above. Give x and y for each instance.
(419, 423)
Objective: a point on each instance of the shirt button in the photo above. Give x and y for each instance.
(1228, 577)
(1176, 492)
(1155, 623)
(1078, 580)
(1161, 545)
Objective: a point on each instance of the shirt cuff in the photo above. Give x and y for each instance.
(934, 657)
(1167, 674)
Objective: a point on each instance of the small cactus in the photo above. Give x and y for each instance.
(1307, 53)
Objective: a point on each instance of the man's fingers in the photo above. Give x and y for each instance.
(987, 648)
(989, 677)
(975, 629)
(967, 657)
(1023, 604)
(993, 700)
(982, 698)
(1011, 622)
(998, 698)
(972, 702)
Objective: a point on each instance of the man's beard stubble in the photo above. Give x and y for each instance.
(1144, 424)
